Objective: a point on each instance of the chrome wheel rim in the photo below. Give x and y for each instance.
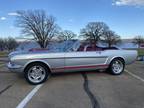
(36, 74)
(117, 66)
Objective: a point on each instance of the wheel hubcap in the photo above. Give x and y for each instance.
(117, 66)
(36, 74)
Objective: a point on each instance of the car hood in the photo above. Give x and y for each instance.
(14, 53)
(17, 53)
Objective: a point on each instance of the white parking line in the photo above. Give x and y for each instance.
(23, 103)
(135, 76)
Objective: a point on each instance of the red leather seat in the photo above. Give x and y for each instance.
(81, 48)
(38, 49)
(94, 48)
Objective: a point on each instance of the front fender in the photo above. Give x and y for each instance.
(32, 61)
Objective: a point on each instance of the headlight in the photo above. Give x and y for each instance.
(11, 61)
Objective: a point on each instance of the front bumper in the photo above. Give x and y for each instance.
(15, 68)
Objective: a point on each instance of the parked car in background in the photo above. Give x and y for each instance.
(37, 65)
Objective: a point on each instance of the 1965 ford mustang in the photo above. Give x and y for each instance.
(38, 65)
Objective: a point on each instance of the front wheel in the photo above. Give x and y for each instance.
(116, 66)
(36, 73)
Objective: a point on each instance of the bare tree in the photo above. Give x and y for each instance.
(111, 38)
(138, 40)
(93, 31)
(10, 43)
(66, 35)
(2, 44)
(38, 24)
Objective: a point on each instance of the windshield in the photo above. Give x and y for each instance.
(66, 46)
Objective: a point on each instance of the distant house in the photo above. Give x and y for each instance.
(127, 43)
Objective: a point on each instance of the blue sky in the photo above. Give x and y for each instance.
(125, 17)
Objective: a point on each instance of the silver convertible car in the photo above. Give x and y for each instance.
(37, 65)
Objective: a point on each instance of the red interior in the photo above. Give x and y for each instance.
(38, 49)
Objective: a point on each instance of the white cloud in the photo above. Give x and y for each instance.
(129, 2)
(13, 14)
(2, 18)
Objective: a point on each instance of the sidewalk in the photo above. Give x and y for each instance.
(3, 68)
(3, 63)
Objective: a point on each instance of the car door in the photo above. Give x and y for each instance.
(82, 60)
(56, 61)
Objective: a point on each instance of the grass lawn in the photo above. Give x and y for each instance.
(3, 53)
(140, 51)
(1, 64)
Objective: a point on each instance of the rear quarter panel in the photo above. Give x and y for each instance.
(129, 56)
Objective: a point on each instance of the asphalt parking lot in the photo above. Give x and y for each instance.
(75, 90)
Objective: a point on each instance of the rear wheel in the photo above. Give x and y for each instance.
(116, 66)
(36, 73)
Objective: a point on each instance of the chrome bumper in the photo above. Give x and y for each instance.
(14, 68)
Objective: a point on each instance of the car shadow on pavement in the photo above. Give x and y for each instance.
(57, 74)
